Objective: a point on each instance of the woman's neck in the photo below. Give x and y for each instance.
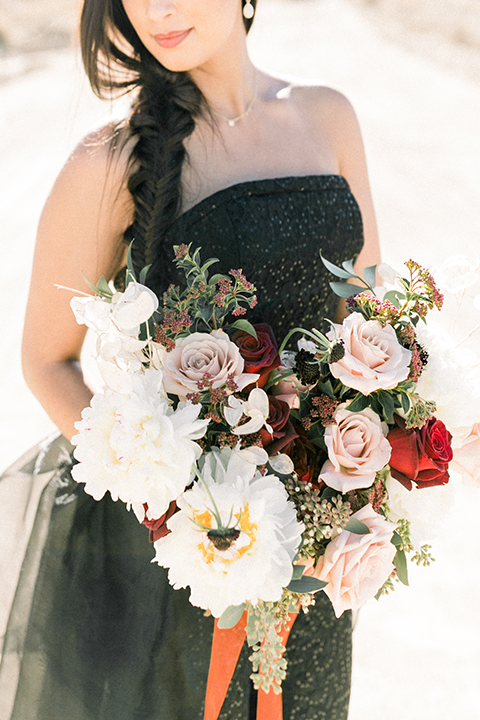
(228, 80)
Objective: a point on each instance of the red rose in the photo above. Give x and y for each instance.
(261, 355)
(283, 430)
(306, 458)
(420, 455)
(158, 528)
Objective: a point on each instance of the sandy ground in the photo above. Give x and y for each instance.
(417, 652)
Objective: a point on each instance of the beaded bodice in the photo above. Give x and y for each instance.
(274, 230)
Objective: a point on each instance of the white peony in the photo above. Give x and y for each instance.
(426, 509)
(451, 379)
(136, 446)
(256, 563)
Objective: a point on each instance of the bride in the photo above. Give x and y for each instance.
(258, 172)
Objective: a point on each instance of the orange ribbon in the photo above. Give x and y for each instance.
(226, 648)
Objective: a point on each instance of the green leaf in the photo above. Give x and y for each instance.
(400, 562)
(144, 273)
(215, 278)
(92, 287)
(396, 539)
(130, 267)
(370, 273)
(348, 265)
(346, 290)
(246, 327)
(306, 584)
(298, 571)
(359, 403)
(231, 616)
(335, 270)
(103, 286)
(405, 400)
(357, 527)
(326, 388)
(387, 402)
(394, 296)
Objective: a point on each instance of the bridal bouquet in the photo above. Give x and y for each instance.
(266, 471)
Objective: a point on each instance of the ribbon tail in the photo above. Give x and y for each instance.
(270, 705)
(226, 647)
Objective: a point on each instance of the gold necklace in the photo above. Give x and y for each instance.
(233, 121)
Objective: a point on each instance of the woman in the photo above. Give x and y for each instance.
(259, 173)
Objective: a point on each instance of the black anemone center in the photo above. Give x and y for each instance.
(222, 538)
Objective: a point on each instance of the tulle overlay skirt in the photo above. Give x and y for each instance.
(96, 632)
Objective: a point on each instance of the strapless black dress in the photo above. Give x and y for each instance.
(96, 632)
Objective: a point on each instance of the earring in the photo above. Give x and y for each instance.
(248, 10)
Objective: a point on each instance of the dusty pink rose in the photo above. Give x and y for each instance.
(356, 566)
(466, 458)
(288, 389)
(374, 359)
(212, 354)
(357, 449)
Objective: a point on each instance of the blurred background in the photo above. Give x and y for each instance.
(412, 70)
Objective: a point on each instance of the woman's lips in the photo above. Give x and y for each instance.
(171, 39)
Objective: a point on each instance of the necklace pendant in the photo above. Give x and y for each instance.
(231, 123)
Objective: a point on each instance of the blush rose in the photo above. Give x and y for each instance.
(374, 359)
(356, 566)
(200, 354)
(466, 458)
(420, 455)
(357, 449)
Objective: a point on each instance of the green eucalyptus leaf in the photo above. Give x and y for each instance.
(306, 584)
(348, 265)
(144, 273)
(370, 275)
(400, 562)
(395, 297)
(231, 616)
(346, 290)
(92, 287)
(357, 527)
(246, 327)
(130, 267)
(104, 287)
(298, 571)
(335, 270)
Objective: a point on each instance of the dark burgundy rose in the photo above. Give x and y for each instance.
(306, 458)
(283, 430)
(158, 528)
(261, 355)
(420, 455)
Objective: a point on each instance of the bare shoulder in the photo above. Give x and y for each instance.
(334, 121)
(332, 114)
(101, 158)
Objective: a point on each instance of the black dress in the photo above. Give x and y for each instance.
(96, 632)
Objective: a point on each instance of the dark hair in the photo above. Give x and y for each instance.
(163, 116)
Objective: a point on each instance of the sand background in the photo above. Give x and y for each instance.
(415, 87)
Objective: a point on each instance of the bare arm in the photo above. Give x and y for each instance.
(80, 231)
